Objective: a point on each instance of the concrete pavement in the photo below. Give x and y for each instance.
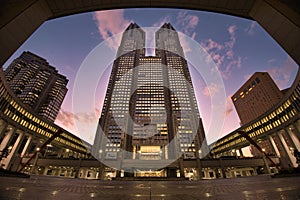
(43, 187)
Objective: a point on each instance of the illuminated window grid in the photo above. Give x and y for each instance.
(19, 114)
(277, 117)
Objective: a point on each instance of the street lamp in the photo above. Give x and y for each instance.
(199, 152)
(100, 153)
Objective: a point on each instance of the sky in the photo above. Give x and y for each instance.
(239, 47)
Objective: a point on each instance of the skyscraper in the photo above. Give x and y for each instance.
(256, 96)
(150, 123)
(37, 84)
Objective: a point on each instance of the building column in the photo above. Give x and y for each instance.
(267, 167)
(162, 153)
(7, 138)
(3, 127)
(166, 152)
(29, 140)
(101, 175)
(9, 161)
(217, 174)
(34, 165)
(273, 145)
(85, 173)
(181, 167)
(290, 157)
(59, 171)
(133, 153)
(248, 172)
(206, 175)
(77, 169)
(241, 152)
(268, 139)
(46, 170)
(294, 139)
(199, 169)
(297, 129)
(223, 173)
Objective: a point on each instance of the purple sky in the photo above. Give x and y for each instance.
(238, 46)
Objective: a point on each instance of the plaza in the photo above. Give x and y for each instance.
(46, 187)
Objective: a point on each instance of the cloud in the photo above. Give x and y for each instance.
(250, 30)
(185, 23)
(229, 106)
(223, 53)
(231, 30)
(211, 90)
(228, 111)
(67, 119)
(282, 74)
(110, 23)
(161, 21)
(210, 44)
(271, 61)
(188, 23)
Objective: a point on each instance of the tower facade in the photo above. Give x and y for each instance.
(256, 96)
(150, 123)
(37, 84)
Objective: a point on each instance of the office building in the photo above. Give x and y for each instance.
(256, 97)
(37, 84)
(150, 123)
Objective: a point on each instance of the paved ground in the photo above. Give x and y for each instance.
(42, 187)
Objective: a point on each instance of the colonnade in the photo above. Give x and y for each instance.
(280, 143)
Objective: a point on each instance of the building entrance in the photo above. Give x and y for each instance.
(150, 153)
(150, 173)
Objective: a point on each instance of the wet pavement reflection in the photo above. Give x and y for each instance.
(43, 187)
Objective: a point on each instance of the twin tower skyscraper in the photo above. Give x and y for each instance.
(150, 124)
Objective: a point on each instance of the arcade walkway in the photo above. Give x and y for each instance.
(43, 187)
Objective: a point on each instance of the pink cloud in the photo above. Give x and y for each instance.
(67, 119)
(229, 106)
(210, 44)
(184, 43)
(161, 21)
(250, 30)
(223, 53)
(187, 22)
(282, 75)
(271, 61)
(211, 90)
(217, 58)
(110, 23)
(231, 30)
(193, 35)
(239, 62)
(229, 53)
